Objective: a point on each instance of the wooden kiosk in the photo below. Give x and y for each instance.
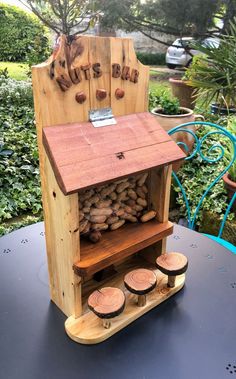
(78, 158)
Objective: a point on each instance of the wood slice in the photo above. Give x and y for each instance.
(172, 263)
(140, 281)
(107, 302)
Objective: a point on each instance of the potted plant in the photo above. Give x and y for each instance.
(214, 76)
(230, 177)
(183, 92)
(180, 87)
(169, 113)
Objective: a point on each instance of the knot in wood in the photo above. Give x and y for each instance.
(119, 93)
(80, 97)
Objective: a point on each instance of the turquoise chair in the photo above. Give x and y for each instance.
(214, 154)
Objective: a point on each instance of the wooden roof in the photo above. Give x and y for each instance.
(83, 156)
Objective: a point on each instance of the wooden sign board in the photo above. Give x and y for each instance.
(85, 69)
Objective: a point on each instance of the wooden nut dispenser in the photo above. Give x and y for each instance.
(105, 168)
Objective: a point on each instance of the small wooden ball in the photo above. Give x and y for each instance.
(101, 94)
(119, 93)
(80, 97)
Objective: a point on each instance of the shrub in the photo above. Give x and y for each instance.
(155, 95)
(15, 94)
(163, 99)
(19, 172)
(151, 59)
(196, 175)
(22, 37)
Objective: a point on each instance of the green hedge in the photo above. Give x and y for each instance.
(22, 37)
(19, 172)
(151, 59)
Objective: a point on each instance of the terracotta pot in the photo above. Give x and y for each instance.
(168, 122)
(231, 188)
(183, 92)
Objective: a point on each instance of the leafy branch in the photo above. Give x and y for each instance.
(64, 16)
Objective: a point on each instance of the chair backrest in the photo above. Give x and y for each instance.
(209, 154)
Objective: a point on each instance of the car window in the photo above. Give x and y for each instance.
(183, 42)
(211, 42)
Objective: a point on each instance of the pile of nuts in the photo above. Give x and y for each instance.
(111, 206)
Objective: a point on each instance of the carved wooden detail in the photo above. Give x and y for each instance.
(101, 94)
(80, 97)
(119, 93)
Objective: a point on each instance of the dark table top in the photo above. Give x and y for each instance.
(191, 335)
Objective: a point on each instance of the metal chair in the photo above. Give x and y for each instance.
(210, 155)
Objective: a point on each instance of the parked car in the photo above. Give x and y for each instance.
(180, 52)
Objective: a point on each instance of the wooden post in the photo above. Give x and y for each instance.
(159, 199)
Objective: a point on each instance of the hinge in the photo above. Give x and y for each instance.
(101, 117)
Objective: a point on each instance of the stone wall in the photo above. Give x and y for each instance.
(145, 44)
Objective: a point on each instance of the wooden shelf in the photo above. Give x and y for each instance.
(119, 244)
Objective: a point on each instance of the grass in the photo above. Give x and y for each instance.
(15, 70)
(158, 81)
(156, 85)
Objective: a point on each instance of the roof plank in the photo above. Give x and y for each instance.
(83, 156)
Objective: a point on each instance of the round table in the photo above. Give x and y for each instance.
(191, 335)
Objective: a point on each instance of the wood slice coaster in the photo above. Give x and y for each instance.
(172, 264)
(140, 281)
(107, 302)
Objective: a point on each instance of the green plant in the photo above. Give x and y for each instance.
(162, 99)
(4, 151)
(4, 72)
(65, 16)
(214, 74)
(190, 72)
(19, 172)
(14, 95)
(169, 106)
(197, 174)
(22, 36)
(151, 59)
(230, 149)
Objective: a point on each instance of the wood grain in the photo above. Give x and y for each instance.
(118, 244)
(172, 263)
(83, 156)
(107, 302)
(136, 94)
(87, 329)
(62, 238)
(99, 51)
(140, 281)
(159, 197)
(56, 107)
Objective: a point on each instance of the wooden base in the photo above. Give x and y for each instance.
(88, 329)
